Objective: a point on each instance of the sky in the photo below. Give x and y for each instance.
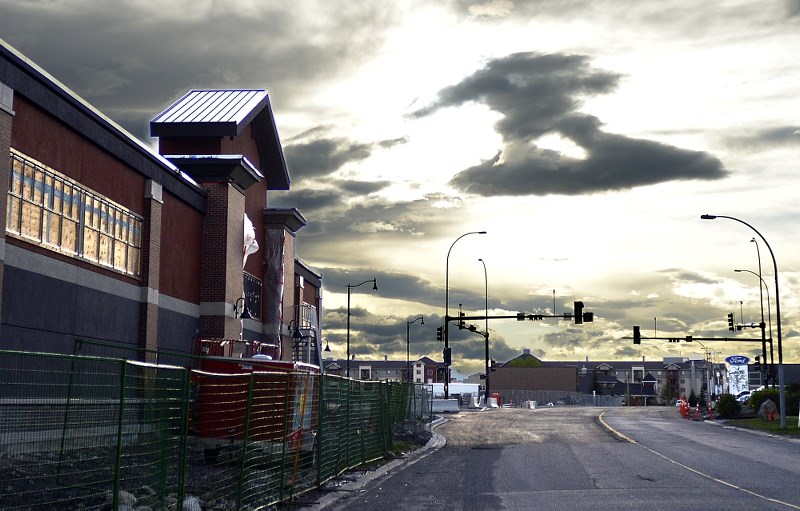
(585, 137)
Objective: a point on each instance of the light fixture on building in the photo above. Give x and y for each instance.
(245, 312)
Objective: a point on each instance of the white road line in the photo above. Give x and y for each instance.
(690, 469)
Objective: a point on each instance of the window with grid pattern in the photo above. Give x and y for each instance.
(48, 208)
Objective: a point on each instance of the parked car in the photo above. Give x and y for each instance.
(743, 396)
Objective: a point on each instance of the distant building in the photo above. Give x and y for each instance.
(424, 370)
(642, 380)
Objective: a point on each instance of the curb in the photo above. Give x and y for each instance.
(435, 443)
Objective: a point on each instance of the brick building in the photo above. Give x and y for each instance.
(106, 239)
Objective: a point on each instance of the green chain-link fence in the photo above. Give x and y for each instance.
(80, 430)
(84, 432)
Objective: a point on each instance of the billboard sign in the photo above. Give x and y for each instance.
(737, 374)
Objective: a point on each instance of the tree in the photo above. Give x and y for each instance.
(701, 402)
(596, 384)
(692, 399)
(667, 394)
(727, 406)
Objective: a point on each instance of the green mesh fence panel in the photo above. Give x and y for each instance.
(253, 437)
(333, 429)
(370, 433)
(81, 431)
(77, 432)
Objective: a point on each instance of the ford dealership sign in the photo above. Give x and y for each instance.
(738, 360)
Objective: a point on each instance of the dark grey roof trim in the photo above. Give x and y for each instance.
(39, 87)
(289, 218)
(231, 168)
(305, 271)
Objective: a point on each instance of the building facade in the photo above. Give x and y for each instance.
(423, 370)
(108, 240)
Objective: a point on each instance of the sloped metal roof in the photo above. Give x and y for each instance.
(220, 112)
(226, 113)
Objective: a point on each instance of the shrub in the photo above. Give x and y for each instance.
(759, 396)
(727, 406)
(791, 394)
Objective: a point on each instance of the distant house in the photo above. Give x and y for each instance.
(427, 370)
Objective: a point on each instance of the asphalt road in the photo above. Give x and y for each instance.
(576, 458)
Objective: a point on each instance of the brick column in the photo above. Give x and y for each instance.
(151, 269)
(221, 263)
(6, 117)
(280, 300)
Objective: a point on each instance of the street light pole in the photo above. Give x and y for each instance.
(408, 346)
(446, 335)
(486, 333)
(350, 287)
(709, 367)
(760, 289)
(777, 313)
(763, 285)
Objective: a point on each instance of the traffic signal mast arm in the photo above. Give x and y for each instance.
(588, 317)
(518, 317)
(690, 338)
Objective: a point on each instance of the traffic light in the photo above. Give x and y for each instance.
(492, 366)
(674, 339)
(446, 354)
(637, 336)
(730, 322)
(578, 312)
(439, 333)
(757, 364)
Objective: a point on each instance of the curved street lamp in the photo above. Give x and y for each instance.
(350, 287)
(771, 355)
(777, 312)
(446, 335)
(408, 345)
(486, 333)
(709, 367)
(763, 285)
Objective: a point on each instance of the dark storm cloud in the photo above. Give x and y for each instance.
(792, 9)
(131, 59)
(689, 276)
(539, 95)
(334, 214)
(363, 187)
(407, 287)
(323, 156)
(404, 286)
(307, 200)
(762, 140)
(373, 336)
